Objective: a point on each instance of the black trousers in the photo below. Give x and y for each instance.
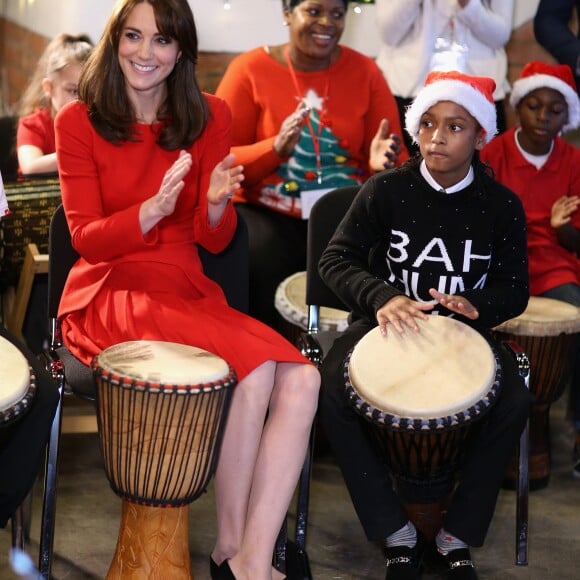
(277, 250)
(23, 442)
(366, 472)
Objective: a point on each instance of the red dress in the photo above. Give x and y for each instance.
(127, 286)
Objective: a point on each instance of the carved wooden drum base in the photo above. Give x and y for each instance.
(153, 544)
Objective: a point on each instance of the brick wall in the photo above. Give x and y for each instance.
(20, 49)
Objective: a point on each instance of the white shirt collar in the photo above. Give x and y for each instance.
(467, 180)
(536, 160)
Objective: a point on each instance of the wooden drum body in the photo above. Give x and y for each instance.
(547, 332)
(290, 302)
(17, 385)
(161, 412)
(423, 394)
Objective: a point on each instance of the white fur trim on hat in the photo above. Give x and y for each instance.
(526, 85)
(456, 91)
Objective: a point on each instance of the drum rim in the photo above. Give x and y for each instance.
(325, 323)
(114, 377)
(522, 325)
(413, 424)
(18, 409)
(142, 385)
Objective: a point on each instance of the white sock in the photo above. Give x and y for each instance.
(447, 542)
(406, 536)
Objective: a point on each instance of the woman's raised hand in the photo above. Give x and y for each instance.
(385, 148)
(225, 179)
(163, 202)
(289, 133)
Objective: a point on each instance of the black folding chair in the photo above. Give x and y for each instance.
(230, 269)
(325, 217)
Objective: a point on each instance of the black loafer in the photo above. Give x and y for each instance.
(404, 563)
(460, 565)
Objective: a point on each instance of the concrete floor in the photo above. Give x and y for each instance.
(88, 517)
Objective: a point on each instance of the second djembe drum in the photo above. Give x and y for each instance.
(547, 331)
(290, 302)
(423, 394)
(161, 412)
(17, 384)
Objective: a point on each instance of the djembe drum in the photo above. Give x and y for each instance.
(423, 394)
(290, 302)
(546, 331)
(17, 384)
(162, 408)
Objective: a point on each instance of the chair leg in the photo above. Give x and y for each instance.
(49, 500)
(523, 482)
(522, 500)
(280, 552)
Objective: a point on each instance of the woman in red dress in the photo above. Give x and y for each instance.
(146, 177)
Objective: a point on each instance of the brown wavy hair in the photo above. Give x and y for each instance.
(102, 84)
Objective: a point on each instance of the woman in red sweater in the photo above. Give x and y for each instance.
(308, 116)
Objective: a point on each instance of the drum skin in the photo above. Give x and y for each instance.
(443, 375)
(547, 332)
(17, 383)
(161, 412)
(290, 302)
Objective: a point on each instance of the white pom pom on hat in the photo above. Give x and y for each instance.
(559, 77)
(474, 94)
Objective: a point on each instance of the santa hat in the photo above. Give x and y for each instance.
(541, 75)
(474, 94)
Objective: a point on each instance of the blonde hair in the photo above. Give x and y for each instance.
(62, 51)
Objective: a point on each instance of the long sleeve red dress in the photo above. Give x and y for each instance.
(130, 286)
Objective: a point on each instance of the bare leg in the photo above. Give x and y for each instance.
(260, 463)
(237, 459)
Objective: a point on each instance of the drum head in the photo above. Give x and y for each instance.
(14, 374)
(544, 317)
(444, 369)
(161, 363)
(290, 301)
(15, 383)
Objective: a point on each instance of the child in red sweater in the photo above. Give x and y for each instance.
(544, 171)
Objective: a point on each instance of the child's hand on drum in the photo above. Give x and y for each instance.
(457, 304)
(402, 310)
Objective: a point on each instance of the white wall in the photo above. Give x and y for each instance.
(247, 24)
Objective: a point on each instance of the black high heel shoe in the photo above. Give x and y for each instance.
(225, 571)
(214, 569)
(221, 572)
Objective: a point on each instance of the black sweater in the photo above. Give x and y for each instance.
(401, 236)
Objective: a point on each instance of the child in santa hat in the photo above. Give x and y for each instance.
(435, 236)
(544, 171)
